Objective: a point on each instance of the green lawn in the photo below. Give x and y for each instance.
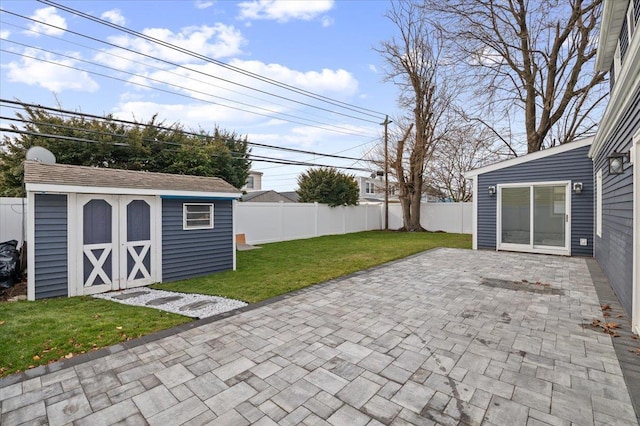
(283, 267)
(36, 333)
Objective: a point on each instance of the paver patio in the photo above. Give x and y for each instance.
(444, 337)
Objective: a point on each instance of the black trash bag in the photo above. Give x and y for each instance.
(9, 260)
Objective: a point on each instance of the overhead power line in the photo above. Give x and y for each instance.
(164, 128)
(335, 102)
(322, 126)
(252, 157)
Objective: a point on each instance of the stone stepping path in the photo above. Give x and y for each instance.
(187, 304)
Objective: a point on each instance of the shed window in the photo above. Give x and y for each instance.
(250, 182)
(197, 216)
(599, 203)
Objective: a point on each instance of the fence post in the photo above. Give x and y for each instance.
(281, 221)
(317, 210)
(366, 217)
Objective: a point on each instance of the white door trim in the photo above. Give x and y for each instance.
(125, 247)
(532, 248)
(81, 289)
(635, 292)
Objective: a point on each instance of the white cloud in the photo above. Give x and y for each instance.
(114, 16)
(203, 4)
(5, 33)
(327, 21)
(217, 41)
(326, 81)
(47, 15)
(284, 10)
(49, 75)
(373, 68)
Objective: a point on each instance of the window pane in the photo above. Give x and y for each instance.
(549, 215)
(516, 223)
(198, 216)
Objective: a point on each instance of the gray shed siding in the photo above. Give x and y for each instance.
(50, 269)
(192, 253)
(614, 251)
(572, 165)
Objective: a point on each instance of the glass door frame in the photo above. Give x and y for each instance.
(531, 247)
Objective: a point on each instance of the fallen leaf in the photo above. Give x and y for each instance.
(606, 314)
(595, 323)
(69, 355)
(1, 322)
(605, 307)
(619, 316)
(611, 325)
(525, 281)
(36, 358)
(118, 328)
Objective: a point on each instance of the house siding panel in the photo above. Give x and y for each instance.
(191, 253)
(614, 250)
(50, 270)
(572, 165)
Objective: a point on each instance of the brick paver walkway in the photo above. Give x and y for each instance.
(444, 337)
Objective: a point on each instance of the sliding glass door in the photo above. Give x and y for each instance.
(534, 217)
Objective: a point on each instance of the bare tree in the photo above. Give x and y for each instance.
(414, 65)
(467, 147)
(530, 62)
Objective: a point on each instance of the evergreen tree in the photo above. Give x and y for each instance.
(149, 146)
(328, 186)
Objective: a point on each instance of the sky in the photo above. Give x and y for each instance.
(56, 57)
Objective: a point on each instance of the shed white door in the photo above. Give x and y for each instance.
(116, 237)
(137, 230)
(534, 217)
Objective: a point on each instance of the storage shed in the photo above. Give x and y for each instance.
(94, 230)
(538, 203)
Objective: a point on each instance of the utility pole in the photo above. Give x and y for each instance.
(386, 172)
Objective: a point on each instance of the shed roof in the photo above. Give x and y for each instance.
(40, 176)
(530, 157)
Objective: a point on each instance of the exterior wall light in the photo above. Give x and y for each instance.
(577, 187)
(491, 190)
(616, 162)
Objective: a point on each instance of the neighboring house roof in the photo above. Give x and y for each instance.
(268, 196)
(40, 176)
(530, 157)
(292, 195)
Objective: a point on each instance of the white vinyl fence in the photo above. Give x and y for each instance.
(271, 222)
(13, 219)
(447, 217)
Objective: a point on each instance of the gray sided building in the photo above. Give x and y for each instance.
(616, 155)
(538, 203)
(94, 230)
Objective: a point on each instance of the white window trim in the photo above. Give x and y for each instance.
(635, 294)
(369, 188)
(531, 247)
(184, 216)
(631, 21)
(599, 203)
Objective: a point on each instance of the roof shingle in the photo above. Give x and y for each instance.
(65, 174)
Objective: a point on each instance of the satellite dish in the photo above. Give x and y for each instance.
(41, 155)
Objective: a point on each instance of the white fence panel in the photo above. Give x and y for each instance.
(271, 222)
(13, 219)
(260, 222)
(298, 221)
(330, 220)
(447, 217)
